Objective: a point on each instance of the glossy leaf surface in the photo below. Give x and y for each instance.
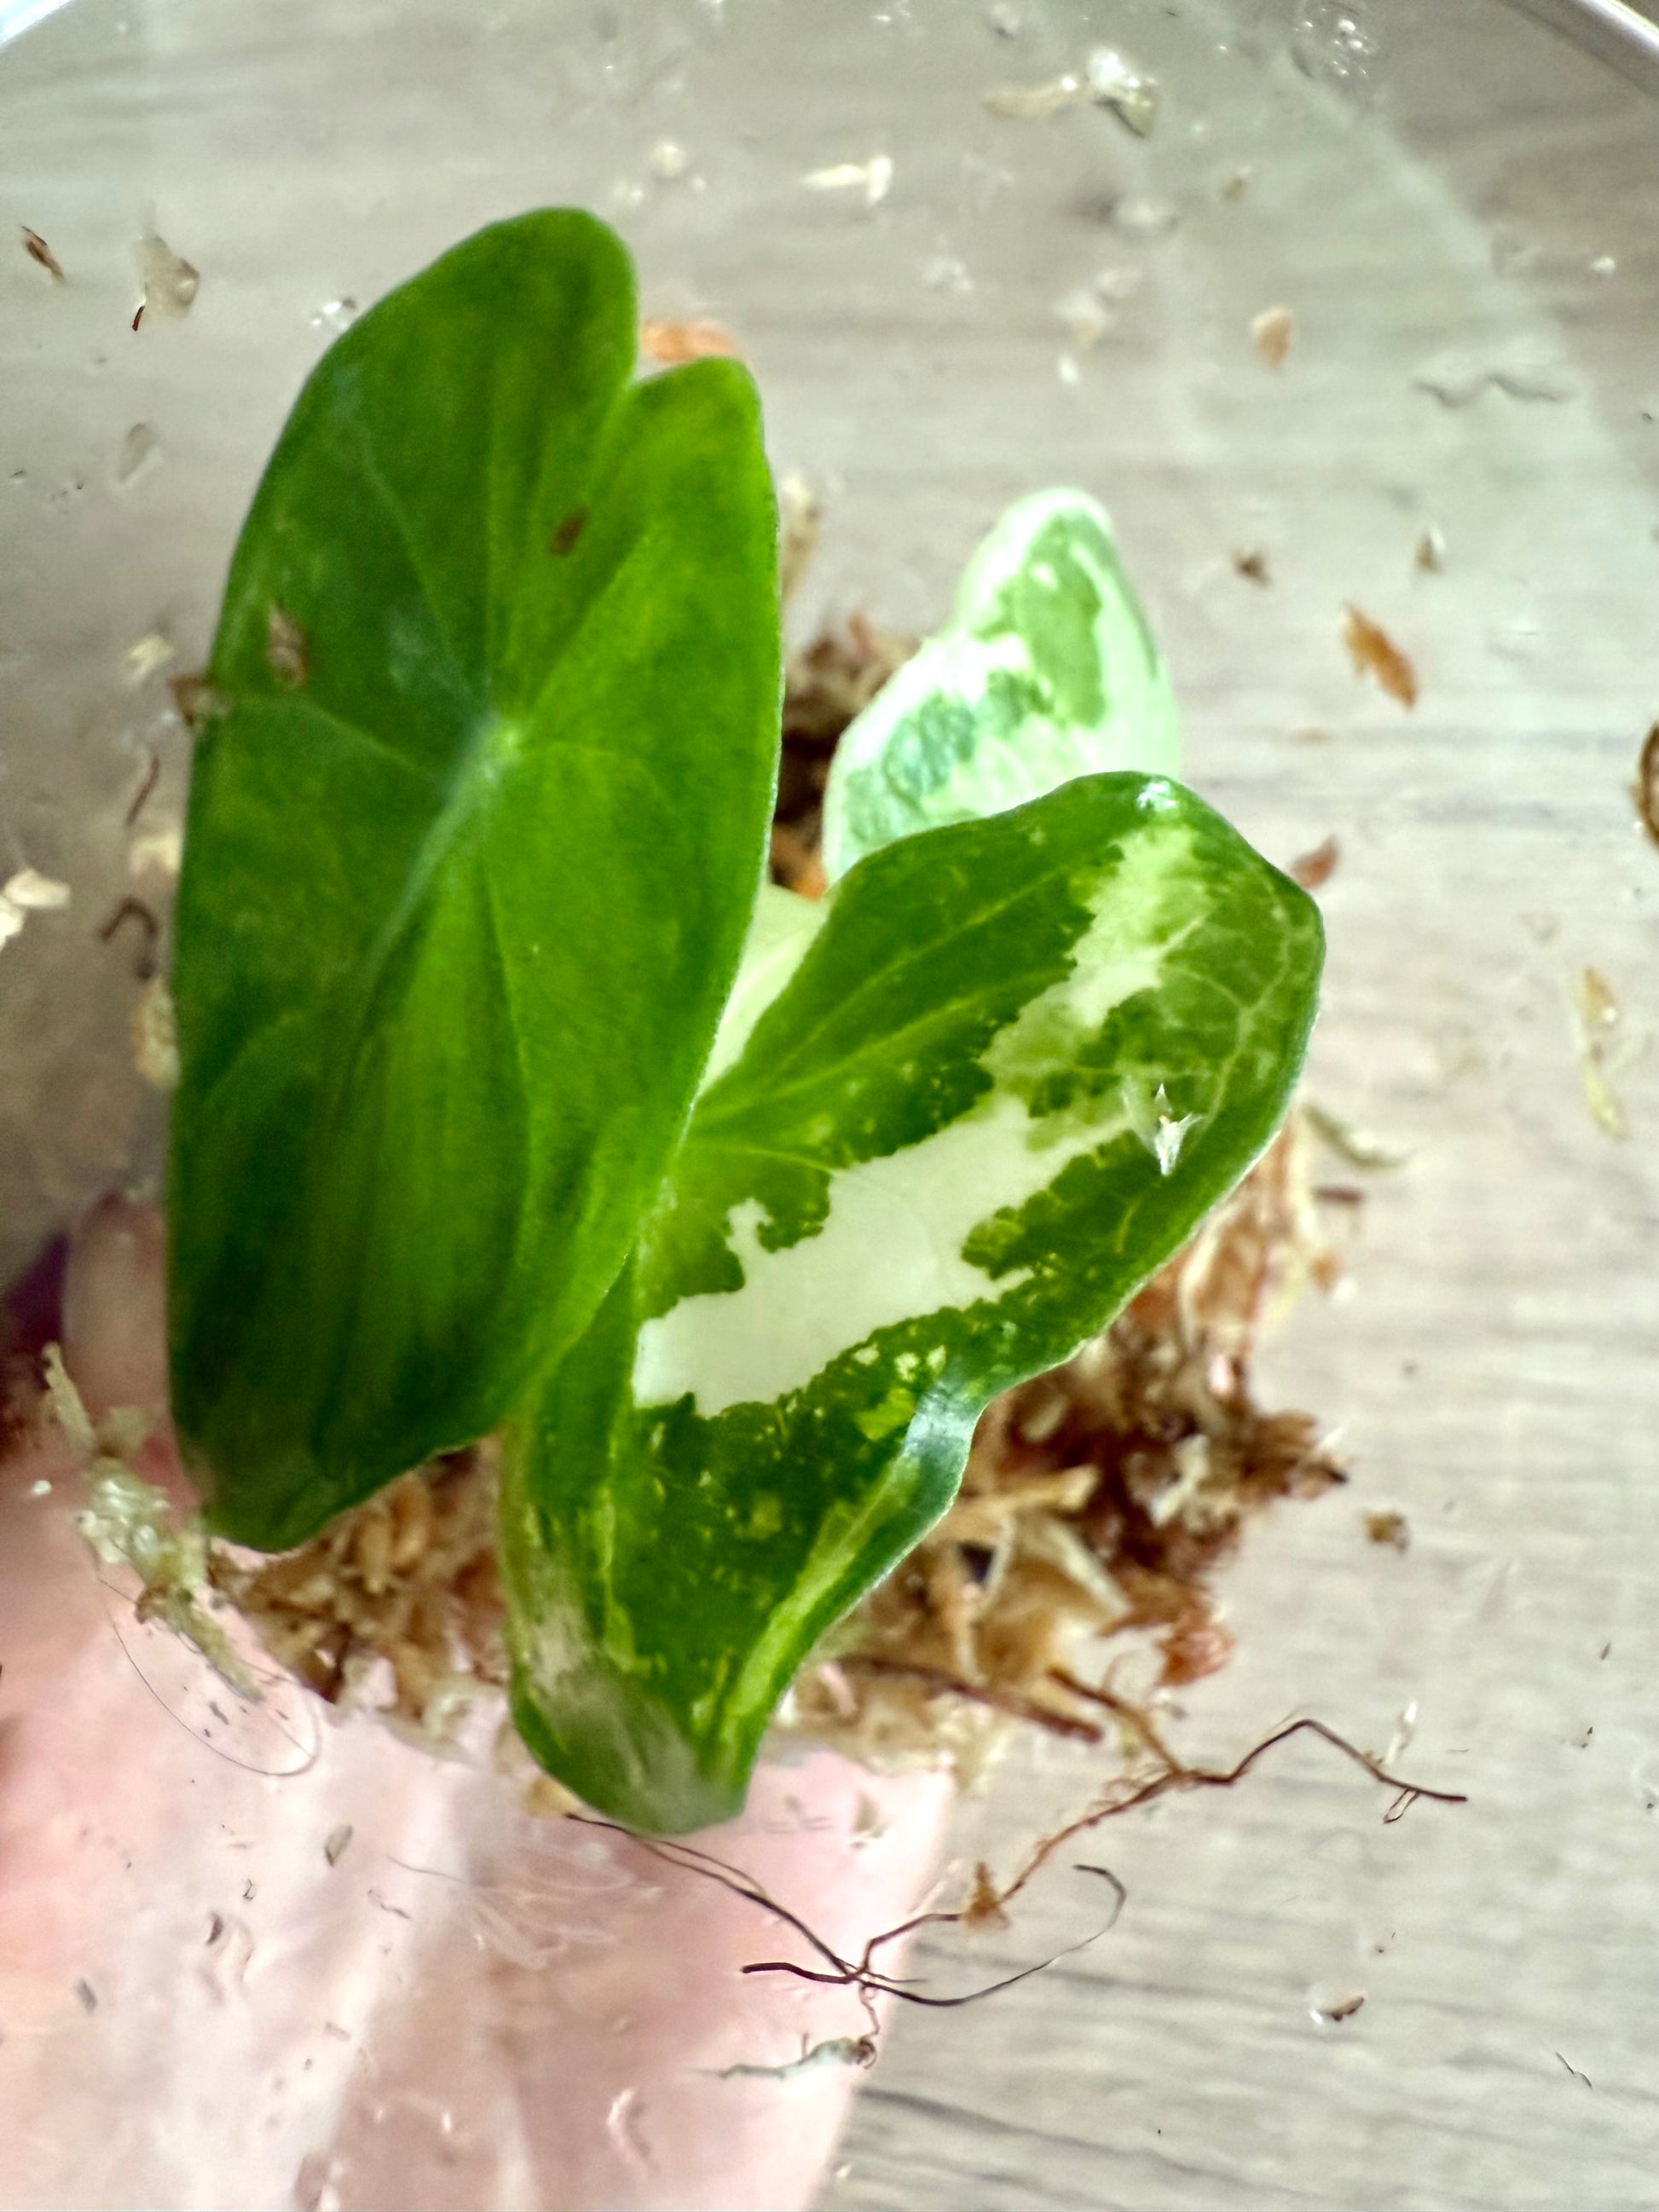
(1008, 1072)
(471, 849)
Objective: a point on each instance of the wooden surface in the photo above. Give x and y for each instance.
(1494, 1366)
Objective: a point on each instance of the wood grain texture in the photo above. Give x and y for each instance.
(1493, 1371)
(1492, 1368)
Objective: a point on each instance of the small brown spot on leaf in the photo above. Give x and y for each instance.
(1252, 565)
(285, 650)
(564, 538)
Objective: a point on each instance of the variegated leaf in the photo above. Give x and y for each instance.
(1047, 670)
(1011, 1071)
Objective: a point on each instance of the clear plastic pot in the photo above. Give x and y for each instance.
(957, 276)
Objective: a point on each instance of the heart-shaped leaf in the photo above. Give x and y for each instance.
(473, 846)
(1008, 1075)
(1047, 670)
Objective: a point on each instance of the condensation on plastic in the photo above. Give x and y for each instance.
(1446, 190)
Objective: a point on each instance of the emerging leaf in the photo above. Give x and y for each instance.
(1047, 670)
(472, 845)
(1008, 1074)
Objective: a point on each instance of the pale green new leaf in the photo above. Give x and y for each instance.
(1008, 1075)
(1047, 670)
(473, 846)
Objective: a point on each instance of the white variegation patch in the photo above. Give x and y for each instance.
(1137, 730)
(1132, 930)
(891, 1247)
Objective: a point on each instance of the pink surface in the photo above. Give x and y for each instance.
(473, 2008)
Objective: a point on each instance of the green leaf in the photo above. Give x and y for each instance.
(1047, 670)
(1015, 1066)
(471, 854)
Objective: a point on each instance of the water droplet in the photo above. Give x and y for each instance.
(335, 315)
(1498, 1600)
(1145, 216)
(622, 2124)
(1342, 1848)
(1119, 281)
(316, 2186)
(1332, 43)
(170, 281)
(1404, 1729)
(1457, 379)
(1032, 103)
(1512, 250)
(1515, 638)
(152, 650)
(1130, 93)
(1086, 318)
(945, 273)
(873, 177)
(141, 449)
